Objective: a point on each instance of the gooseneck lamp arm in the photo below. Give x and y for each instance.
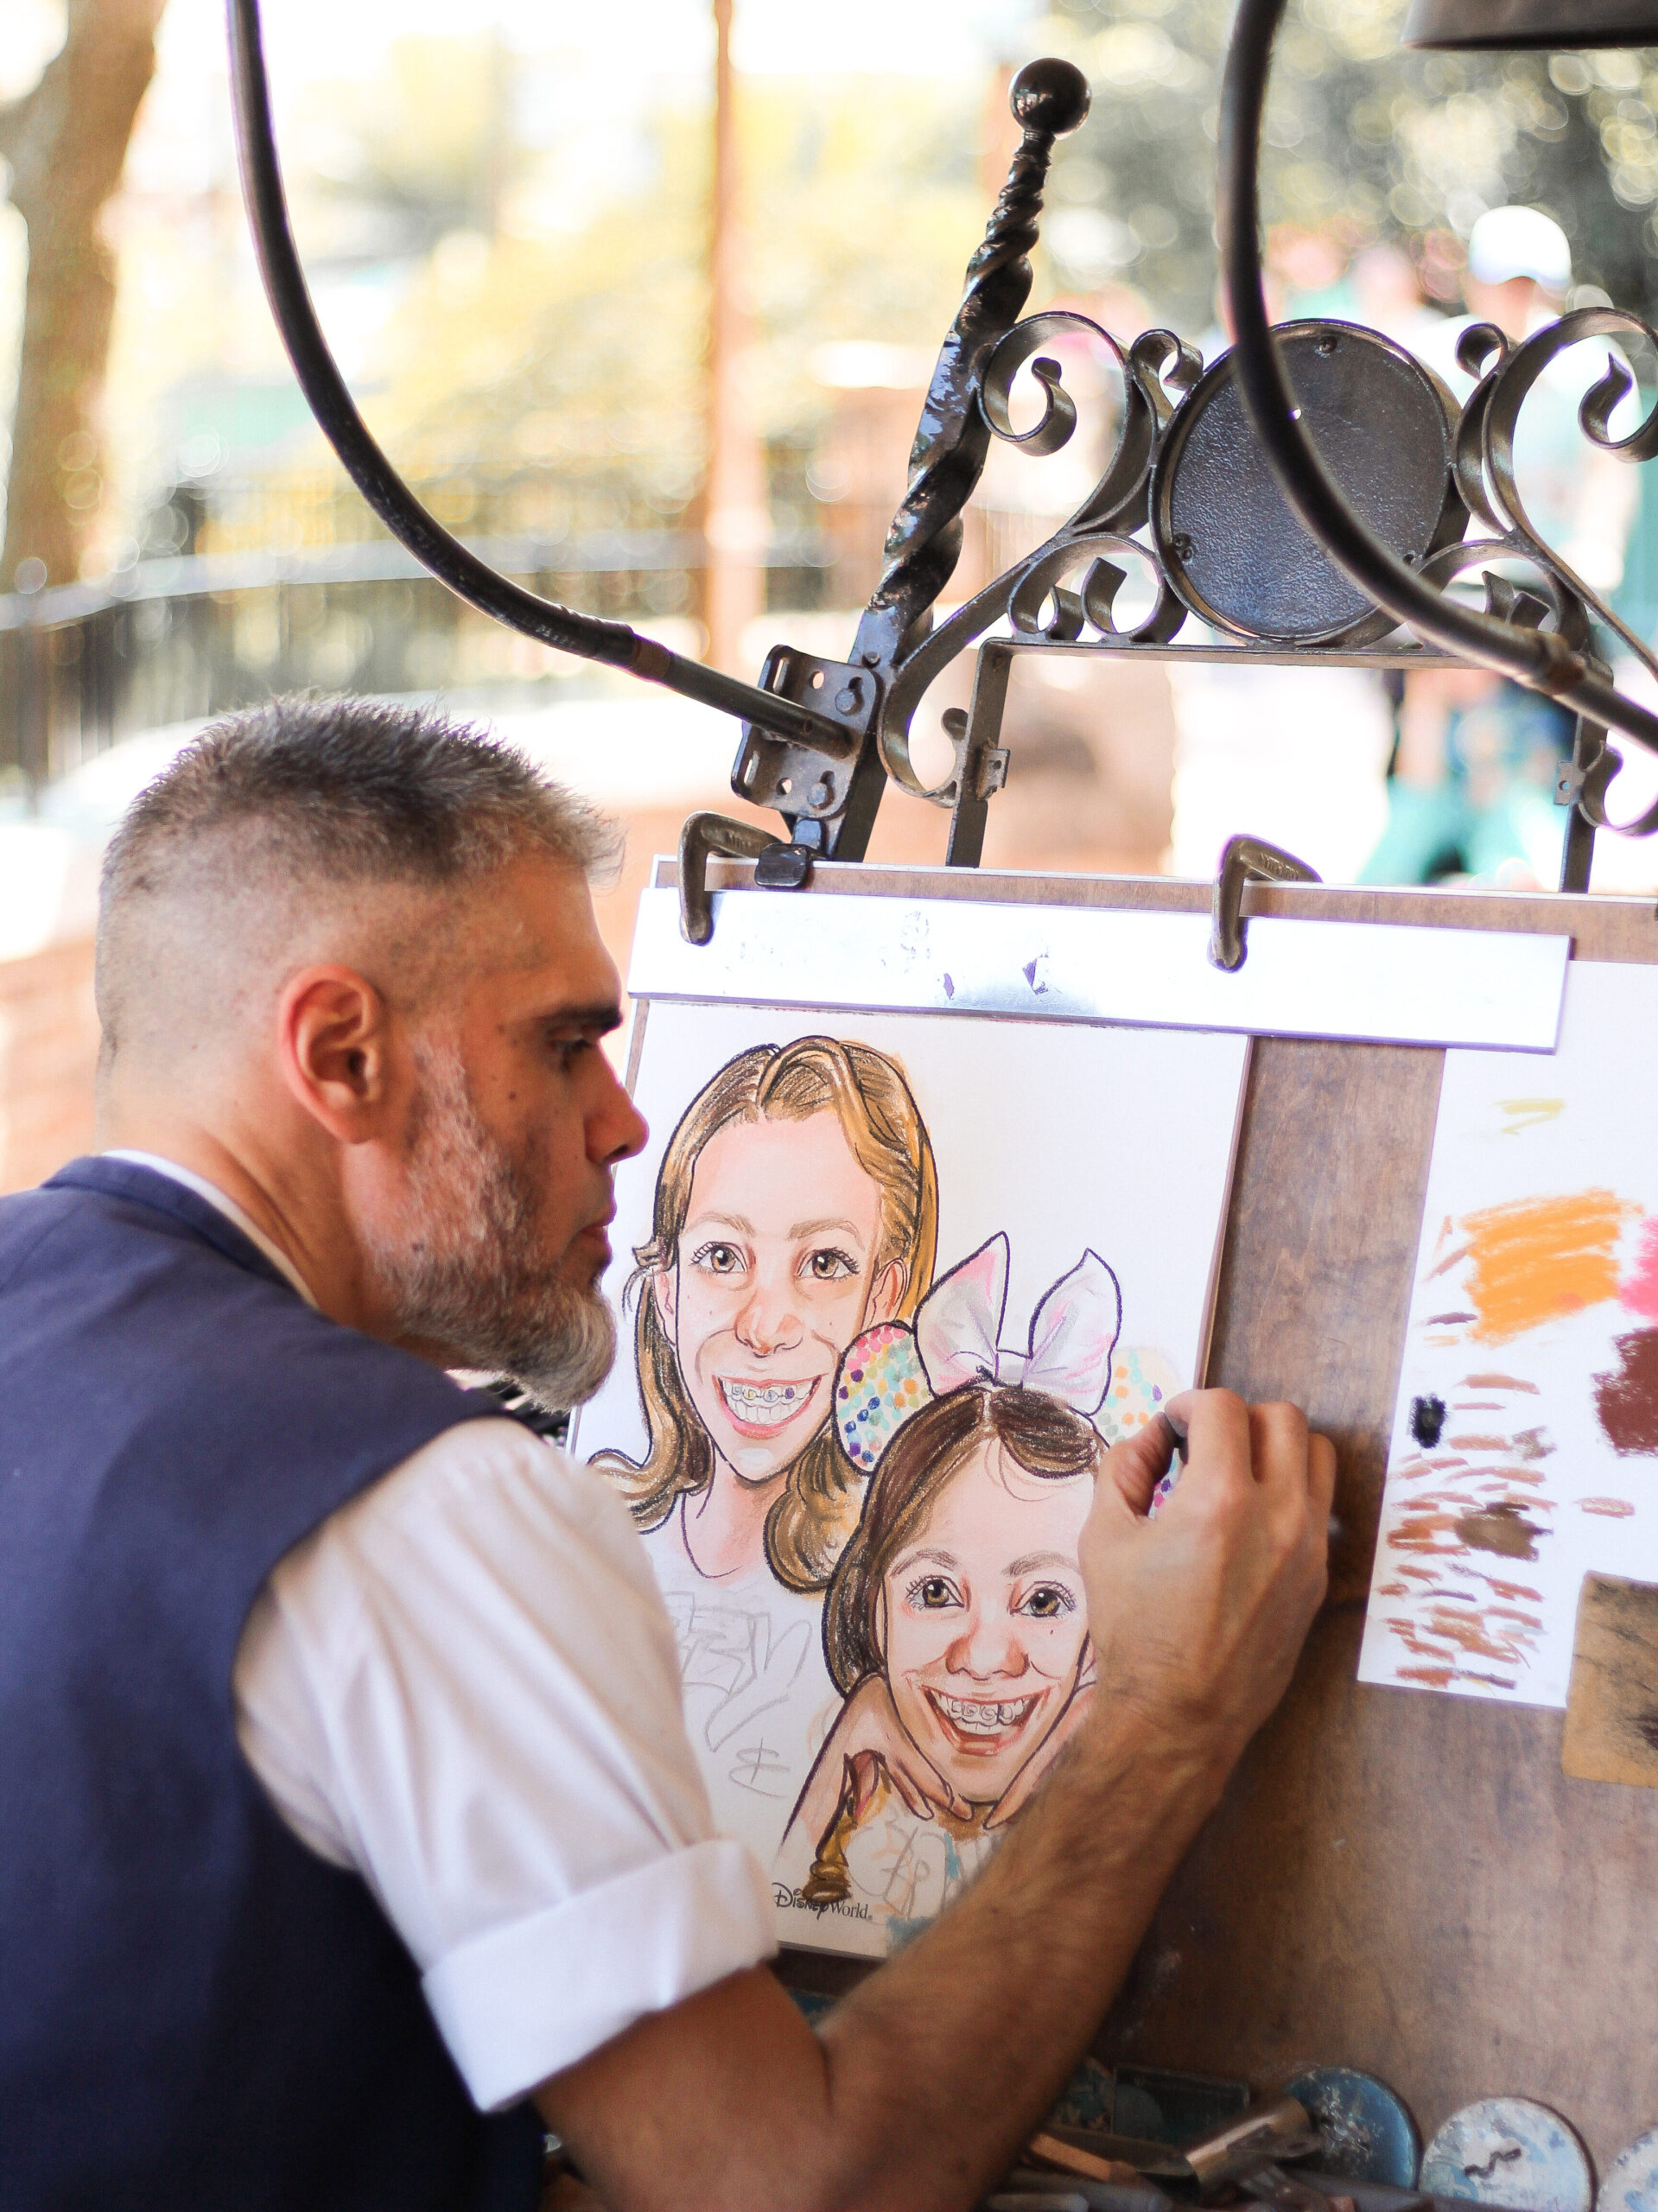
(471, 579)
(1536, 658)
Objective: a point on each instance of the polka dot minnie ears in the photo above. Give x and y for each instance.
(891, 1371)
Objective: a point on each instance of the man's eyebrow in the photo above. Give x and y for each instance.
(1033, 1560)
(721, 1220)
(811, 1228)
(602, 1017)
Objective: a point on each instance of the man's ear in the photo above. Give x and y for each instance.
(333, 1039)
(665, 1288)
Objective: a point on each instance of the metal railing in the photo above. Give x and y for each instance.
(83, 666)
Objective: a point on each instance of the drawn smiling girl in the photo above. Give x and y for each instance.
(956, 1624)
(796, 1205)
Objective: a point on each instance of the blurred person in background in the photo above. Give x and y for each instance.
(1472, 787)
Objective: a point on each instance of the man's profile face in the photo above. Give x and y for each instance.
(487, 1232)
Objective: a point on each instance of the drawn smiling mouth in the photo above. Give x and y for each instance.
(765, 1405)
(984, 1716)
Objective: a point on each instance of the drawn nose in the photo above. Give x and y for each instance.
(986, 1650)
(767, 1322)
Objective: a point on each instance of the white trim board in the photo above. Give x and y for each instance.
(1379, 982)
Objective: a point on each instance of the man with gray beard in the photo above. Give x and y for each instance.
(348, 1826)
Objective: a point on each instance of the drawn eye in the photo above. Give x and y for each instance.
(932, 1591)
(830, 1266)
(718, 1260)
(1047, 1601)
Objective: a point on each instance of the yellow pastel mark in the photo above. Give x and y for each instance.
(1529, 1113)
(1534, 1260)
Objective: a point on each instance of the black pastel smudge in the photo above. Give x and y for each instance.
(1627, 1400)
(1428, 1422)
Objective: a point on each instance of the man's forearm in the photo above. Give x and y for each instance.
(921, 2085)
(940, 2065)
(923, 2082)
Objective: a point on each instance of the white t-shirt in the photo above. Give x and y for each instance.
(463, 1685)
(759, 1698)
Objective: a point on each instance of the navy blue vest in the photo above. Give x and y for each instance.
(195, 2010)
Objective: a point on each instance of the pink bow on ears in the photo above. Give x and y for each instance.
(1073, 1332)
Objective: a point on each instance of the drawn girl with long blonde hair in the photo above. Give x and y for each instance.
(796, 1207)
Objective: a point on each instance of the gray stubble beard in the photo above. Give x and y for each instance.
(464, 1268)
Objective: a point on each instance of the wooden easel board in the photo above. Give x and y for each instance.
(1396, 1882)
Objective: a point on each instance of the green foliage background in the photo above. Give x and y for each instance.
(1389, 144)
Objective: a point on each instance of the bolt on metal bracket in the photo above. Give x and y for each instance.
(777, 864)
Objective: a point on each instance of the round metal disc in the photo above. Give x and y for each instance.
(1228, 543)
(1630, 2183)
(1509, 2150)
(1368, 2133)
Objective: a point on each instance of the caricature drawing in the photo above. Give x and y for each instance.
(796, 1205)
(956, 1625)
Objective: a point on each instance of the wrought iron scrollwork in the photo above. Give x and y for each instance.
(1203, 458)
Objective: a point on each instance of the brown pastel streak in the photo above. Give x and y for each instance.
(1498, 1383)
(1626, 1398)
(1449, 1261)
(1613, 1508)
(1473, 1636)
(1479, 1443)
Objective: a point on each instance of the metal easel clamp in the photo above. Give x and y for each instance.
(777, 864)
(1247, 859)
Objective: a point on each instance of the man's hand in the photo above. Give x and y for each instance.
(1198, 1617)
(918, 2089)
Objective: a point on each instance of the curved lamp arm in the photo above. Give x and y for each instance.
(471, 579)
(1538, 660)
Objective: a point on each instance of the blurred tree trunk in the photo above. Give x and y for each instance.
(67, 141)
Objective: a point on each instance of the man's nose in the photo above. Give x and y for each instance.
(617, 1130)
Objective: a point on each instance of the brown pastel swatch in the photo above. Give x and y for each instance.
(1626, 1397)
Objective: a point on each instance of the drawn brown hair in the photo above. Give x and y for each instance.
(1036, 1430)
(868, 1093)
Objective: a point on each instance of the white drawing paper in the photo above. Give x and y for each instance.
(843, 1222)
(1525, 1443)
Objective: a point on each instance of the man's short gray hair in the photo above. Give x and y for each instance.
(361, 790)
(269, 814)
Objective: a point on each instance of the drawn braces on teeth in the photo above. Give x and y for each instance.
(765, 1405)
(975, 1717)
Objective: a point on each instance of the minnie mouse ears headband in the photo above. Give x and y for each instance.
(891, 1371)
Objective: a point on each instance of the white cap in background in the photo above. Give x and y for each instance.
(1509, 242)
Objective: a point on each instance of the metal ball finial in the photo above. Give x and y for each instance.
(1050, 95)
